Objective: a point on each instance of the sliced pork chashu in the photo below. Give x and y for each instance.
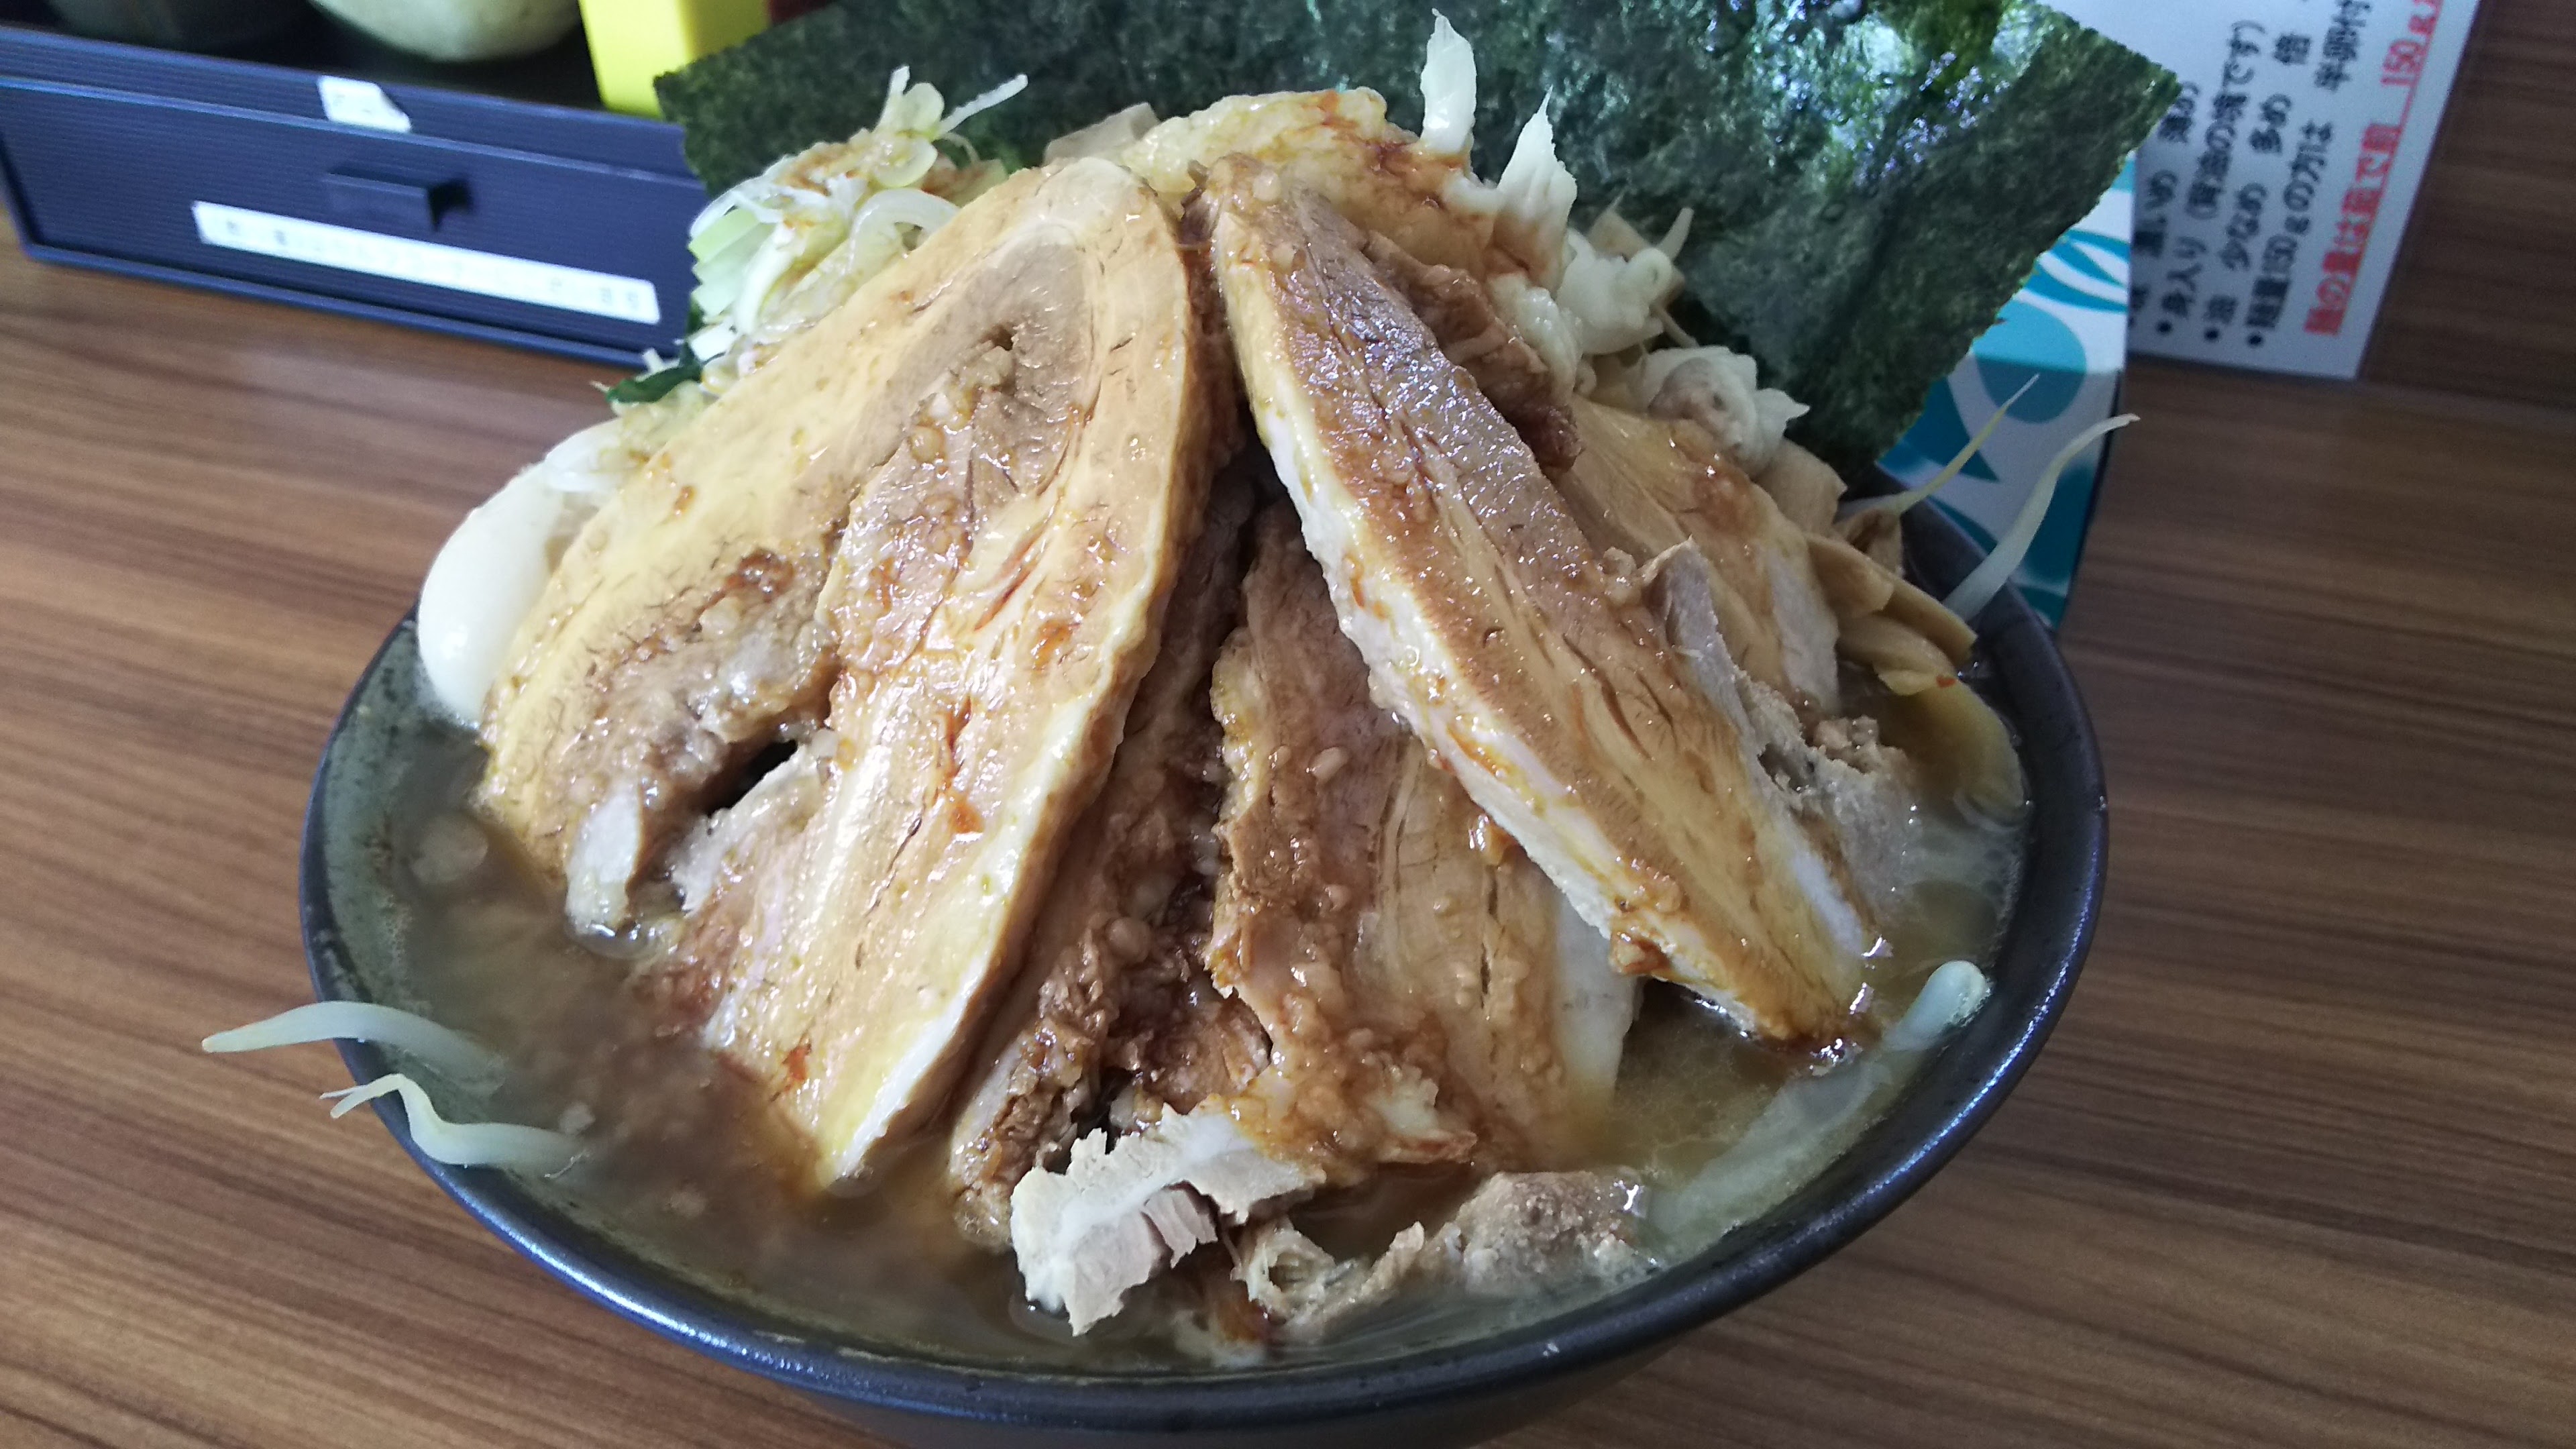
(1426, 996)
(1310, 766)
(1785, 602)
(1742, 607)
(931, 542)
(1311, 770)
(1522, 1237)
(1417, 990)
(1646, 486)
(1118, 941)
(1461, 313)
(1492, 626)
(1474, 945)
(1340, 143)
(683, 627)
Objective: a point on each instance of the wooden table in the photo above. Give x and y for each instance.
(2299, 1167)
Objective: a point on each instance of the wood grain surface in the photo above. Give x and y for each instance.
(2483, 300)
(2299, 1168)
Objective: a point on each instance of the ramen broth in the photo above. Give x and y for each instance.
(684, 1164)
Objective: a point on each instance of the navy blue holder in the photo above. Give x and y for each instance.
(225, 172)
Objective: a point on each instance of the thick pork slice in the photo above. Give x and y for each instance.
(1524, 1237)
(1780, 603)
(931, 543)
(1115, 945)
(1493, 628)
(1117, 1216)
(1470, 945)
(1399, 983)
(1426, 995)
(1645, 486)
(1340, 143)
(1312, 766)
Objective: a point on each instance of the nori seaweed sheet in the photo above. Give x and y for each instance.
(1872, 178)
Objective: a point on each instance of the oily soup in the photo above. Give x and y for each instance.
(684, 1164)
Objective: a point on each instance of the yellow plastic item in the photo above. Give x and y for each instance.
(632, 41)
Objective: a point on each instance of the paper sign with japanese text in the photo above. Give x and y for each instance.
(2272, 198)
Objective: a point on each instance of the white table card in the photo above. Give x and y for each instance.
(2272, 198)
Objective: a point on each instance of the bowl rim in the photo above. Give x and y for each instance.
(1954, 1093)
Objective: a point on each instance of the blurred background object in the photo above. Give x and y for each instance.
(461, 30)
(321, 166)
(186, 24)
(632, 41)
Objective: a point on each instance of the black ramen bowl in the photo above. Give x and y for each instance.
(1451, 1395)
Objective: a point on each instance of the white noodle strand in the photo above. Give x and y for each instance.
(443, 1050)
(464, 1144)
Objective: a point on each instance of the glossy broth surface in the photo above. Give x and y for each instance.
(688, 1168)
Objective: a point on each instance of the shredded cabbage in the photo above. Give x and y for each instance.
(464, 1144)
(1534, 314)
(985, 102)
(1676, 235)
(1756, 418)
(1618, 236)
(1448, 90)
(720, 234)
(1980, 587)
(1536, 196)
(1584, 296)
(1615, 301)
(778, 251)
(444, 1050)
(713, 341)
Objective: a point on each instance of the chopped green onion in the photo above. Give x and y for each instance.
(658, 384)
